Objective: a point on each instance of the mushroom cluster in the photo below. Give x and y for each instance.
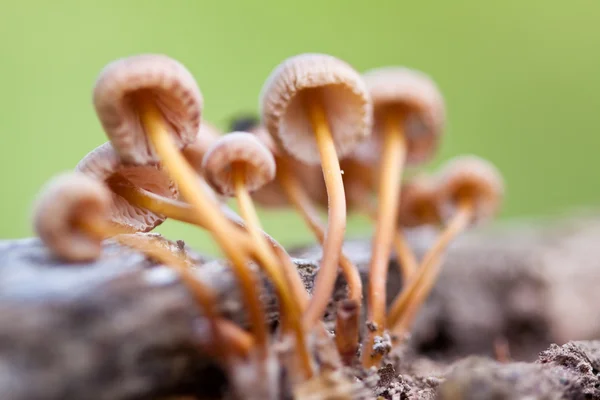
(327, 138)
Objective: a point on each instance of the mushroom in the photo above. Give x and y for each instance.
(72, 216)
(317, 108)
(470, 191)
(408, 120)
(292, 179)
(150, 108)
(236, 165)
(419, 203)
(143, 195)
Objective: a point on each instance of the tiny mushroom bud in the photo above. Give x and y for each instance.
(316, 107)
(238, 159)
(150, 107)
(470, 189)
(71, 217)
(408, 117)
(235, 165)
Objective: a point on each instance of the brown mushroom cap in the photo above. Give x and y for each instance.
(170, 85)
(103, 164)
(339, 89)
(419, 203)
(243, 149)
(195, 151)
(420, 100)
(471, 177)
(64, 200)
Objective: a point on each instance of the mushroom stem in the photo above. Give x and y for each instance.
(406, 257)
(336, 215)
(394, 154)
(205, 208)
(419, 287)
(170, 208)
(346, 329)
(299, 199)
(346, 333)
(270, 263)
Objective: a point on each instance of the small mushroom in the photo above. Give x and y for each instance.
(150, 107)
(408, 117)
(419, 203)
(73, 215)
(143, 195)
(470, 191)
(236, 165)
(316, 107)
(104, 165)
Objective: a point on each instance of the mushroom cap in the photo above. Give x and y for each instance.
(420, 100)
(419, 204)
(339, 89)
(471, 177)
(65, 200)
(241, 149)
(195, 151)
(171, 87)
(103, 164)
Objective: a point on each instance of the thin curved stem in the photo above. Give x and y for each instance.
(336, 215)
(347, 324)
(305, 207)
(170, 208)
(392, 163)
(420, 286)
(269, 262)
(206, 208)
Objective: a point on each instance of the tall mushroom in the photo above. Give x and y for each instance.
(408, 120)
(469, 192)
(150, 107)
(236, 165)
(74, 214)
(316, 107)
(300, 185)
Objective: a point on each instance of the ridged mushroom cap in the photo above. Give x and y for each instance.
(63, 202)
(339, 89)
(195, 151)
(103, 164)
(157, 77)
(238, 149)
(420, 100)
(419, 204)
(473, 178)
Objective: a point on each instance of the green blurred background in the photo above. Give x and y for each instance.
(521, 79)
